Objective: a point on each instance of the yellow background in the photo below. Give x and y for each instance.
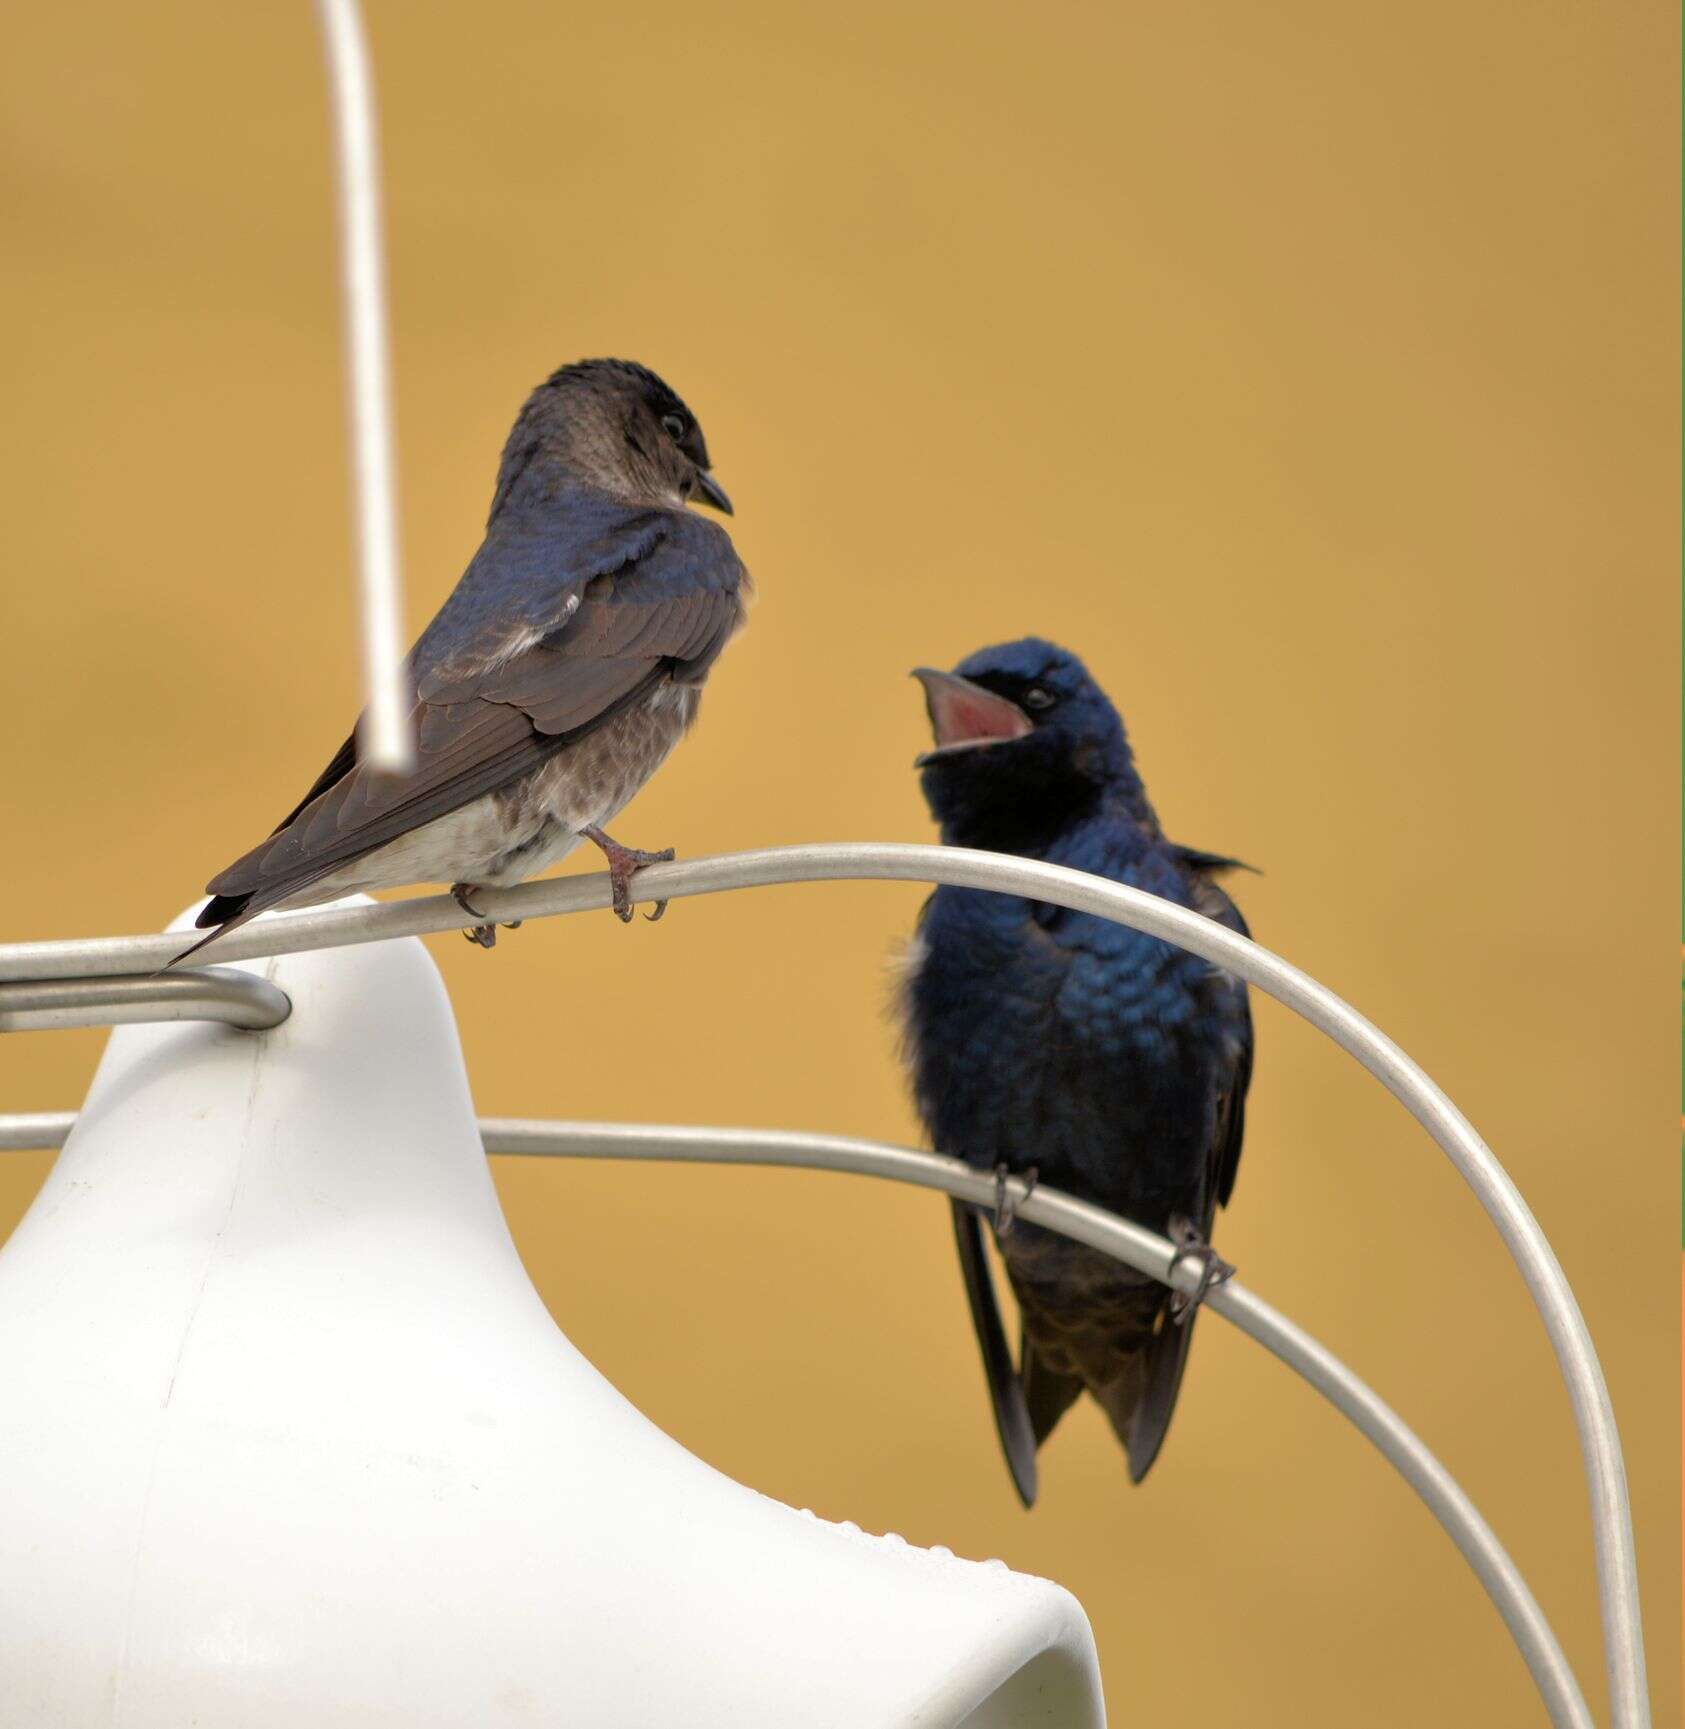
(1310, 368)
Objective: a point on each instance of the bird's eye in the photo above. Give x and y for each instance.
(1039, 698)
(673, 425)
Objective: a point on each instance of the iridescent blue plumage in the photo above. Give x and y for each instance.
(1112, 1063)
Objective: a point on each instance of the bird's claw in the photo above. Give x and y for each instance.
(482, 934)
(1213, 1269)
(1006, 1205)
(624, 863)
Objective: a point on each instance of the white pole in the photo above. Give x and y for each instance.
(386, 735)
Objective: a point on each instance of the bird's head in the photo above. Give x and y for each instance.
(1024, 741)
(617, 426)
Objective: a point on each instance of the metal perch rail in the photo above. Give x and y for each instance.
(894, 862)
(1099, 1229)
(203, 994)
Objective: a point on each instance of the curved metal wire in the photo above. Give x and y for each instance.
(1582, 1373)
(1140, 1249)
(235, 998)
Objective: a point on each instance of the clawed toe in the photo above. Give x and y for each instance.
(1213, 1269)
(482, 933)
(624, 863)
(1006, 1206)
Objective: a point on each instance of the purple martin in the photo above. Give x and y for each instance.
(1057, 1045)
(564, 666)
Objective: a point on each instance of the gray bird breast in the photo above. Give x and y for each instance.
(591, 782)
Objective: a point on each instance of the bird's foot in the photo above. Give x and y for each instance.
(1006, 1205)
(1213, 1269)
(482, 935)
(624, 862)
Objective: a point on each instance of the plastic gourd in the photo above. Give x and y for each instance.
(287, 1436)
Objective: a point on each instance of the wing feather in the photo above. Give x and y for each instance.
(557, 625)
(1013, 1422)
(1213, 900)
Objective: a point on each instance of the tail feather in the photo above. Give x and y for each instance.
(227, 913)
(220, 909)
(1006, 1397)
(1048, 1392)
(1141, 1401)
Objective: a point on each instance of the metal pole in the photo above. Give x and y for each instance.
(237, 999)
(1100, 1230)
(1600, 1447)
(386, 735)
(26, 1131)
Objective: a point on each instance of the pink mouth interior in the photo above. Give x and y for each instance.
(960, 717)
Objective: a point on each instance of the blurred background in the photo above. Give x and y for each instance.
(1310, 369)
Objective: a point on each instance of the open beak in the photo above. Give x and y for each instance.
(709, 490)
(964, 715)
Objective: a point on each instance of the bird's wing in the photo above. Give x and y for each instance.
(340, 764)
(1211, 899)
(1141, 1414)
(1209, 862)
(1231, 1116)
(1140, 1404)
(557, 625)
(1048, 1392)
(1006, 1393)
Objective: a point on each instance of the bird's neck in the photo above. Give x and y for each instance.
(1125, 801)
(1047, 826)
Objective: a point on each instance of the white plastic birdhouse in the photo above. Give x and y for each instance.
(286, 1436)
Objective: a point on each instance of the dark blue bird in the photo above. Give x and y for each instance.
(1104, 1061)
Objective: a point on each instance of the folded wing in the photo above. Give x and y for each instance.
(559, 623)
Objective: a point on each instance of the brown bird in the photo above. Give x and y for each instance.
(553, 682)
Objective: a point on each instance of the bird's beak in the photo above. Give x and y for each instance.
(709, 490)
(964, 715)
